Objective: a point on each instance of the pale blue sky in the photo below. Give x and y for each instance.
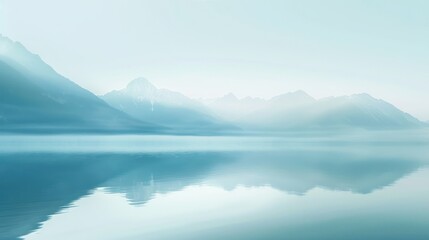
(206, 48)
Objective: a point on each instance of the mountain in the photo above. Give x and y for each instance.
(34, 97)
(299, 111)
(230, 108)
(144, 101)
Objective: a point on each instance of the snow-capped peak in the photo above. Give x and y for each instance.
(140, 84)
(142, 89)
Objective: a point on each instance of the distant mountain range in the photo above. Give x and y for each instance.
(299, 111)
(231, 108)
(35, 98)
(143, 101)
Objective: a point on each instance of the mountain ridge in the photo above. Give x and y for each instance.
(299, 111)
(144, 101)
(35, 98)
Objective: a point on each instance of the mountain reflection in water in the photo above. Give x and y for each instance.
(38, 189)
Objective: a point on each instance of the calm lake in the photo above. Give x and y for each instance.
(372, 186)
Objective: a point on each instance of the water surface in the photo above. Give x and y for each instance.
(152, 187)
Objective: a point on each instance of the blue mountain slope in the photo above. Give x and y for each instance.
(33, 97)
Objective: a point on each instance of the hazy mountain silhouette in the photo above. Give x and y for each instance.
(33, 97)
(231, 108)
(144, 101)
(299, 111)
